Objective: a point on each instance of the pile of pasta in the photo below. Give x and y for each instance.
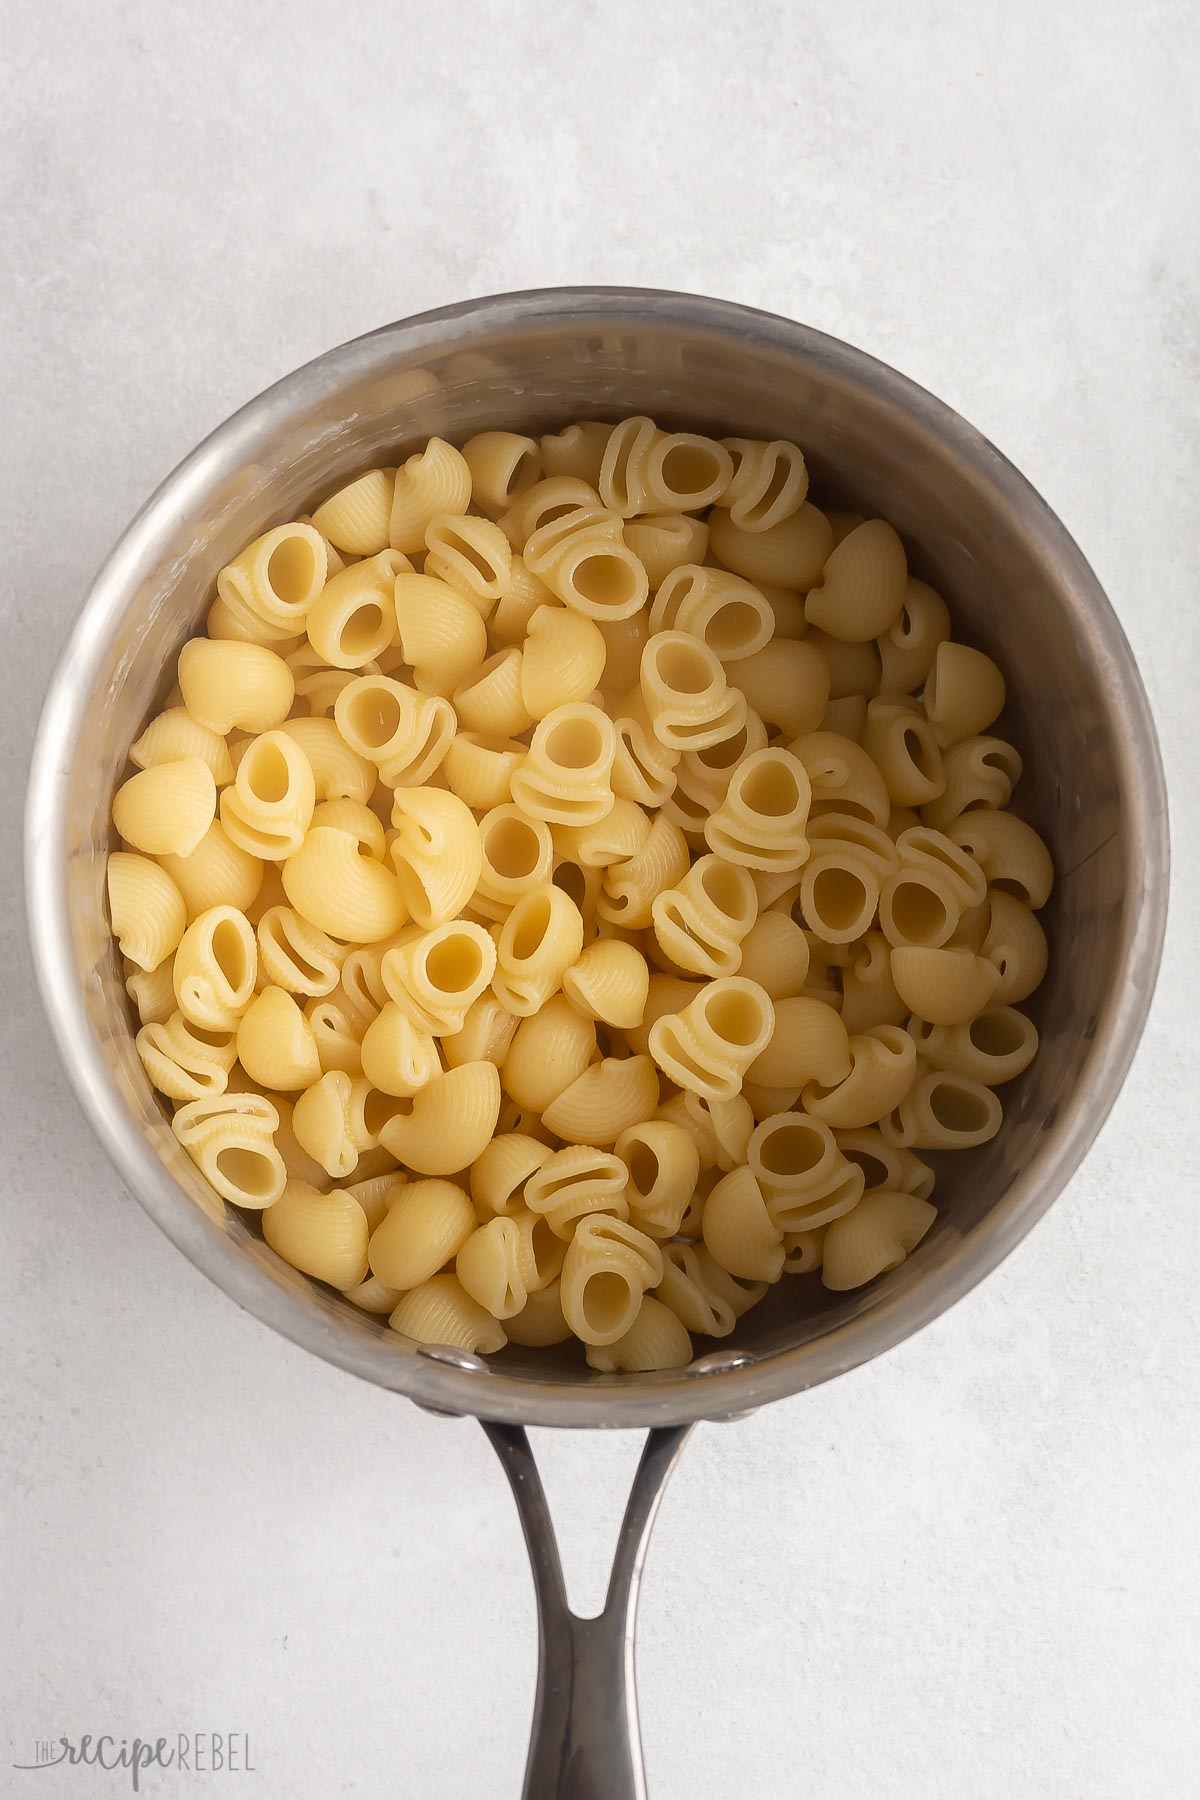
(571, 882)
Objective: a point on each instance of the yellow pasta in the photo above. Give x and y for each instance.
(610, 981)
(439, 1311)
(472, 555)
(576, 450)
(436, 852)
(739, 1233)
(609, 1266)
(441, 634)
(964, 692)
(575, 1182)
(186, 1061)
(995, 1046)
(768, 484)
(146, 909)
(275, 1042)
(808, 1042)
(438, 975)
(541, 938)
(630, 887)
(353, 619)
(490, 699)
(228, 685)
(230, 1138)
(487, 1032)
(862, 585)
(174, 735)
(502, 464)
(516, 856)
(167, 808)
(386, 723)
(722, 610)
(908, 647)
(775, 954)
(348, 895)
(762, 819)
(425, 1226)
(276, 579)
(644, 768)
(883, 1063)
(664, 1164)
(522, 823)
(709, 1045)
(398, 1055)
(877, 1236)
(705, 1297)
(787, 685)
(943, 986)
(562, 661)
(434, 481)
(655, 1340)
(805, 1178)
(1009, 852)
(451, 1120)
(700, 923)
(790, 554)
(479, 769)
(687, 698)
(605, 1100)
(324, 1235)
(869, 994)
(216, 963)
(269, 807)
(1016, 943)
(356, 518)
(979, 772)
(566, 777)
(665, 541)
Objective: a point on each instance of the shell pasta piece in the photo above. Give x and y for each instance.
(876, 1236)
(609, 1266)
(541, 939)
(451, 1119)
(440, 1311)
(230, 1138)
(708, 1047)
(167, 808)
(426, 1225)
(324, 1235)
(436, 852)
(701, 922)
(566, 776)
(145, 908)
(348, 895)
(657, 1339)
(687, 698)
(600, 1104)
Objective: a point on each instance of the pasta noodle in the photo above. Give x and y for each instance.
(269, 807)
(979, 771)
(762, 819)
(442, 636)
(516, 856)
(665, 541)
(775, 954)
(175, 735)
(862, 585)
(600, 1104)
(356, 518)
(964, 692)
(275, 1042)
(436, 852)
(768, 483)
(549, 1050)
(472, 555)
(700, 923)
(655, 1340)
(577, 450)
(541, 938)
(566, 776)
(184, 1061)
(739, 1233)
(145, 908)
(348, 895)
(877, 1236)
(687, 699)
(708, 1047)
(339, 772)
(663, 1162)
(883, 1064)
(908, 647)
(705, 1298)
(805, 1179)
(502, 465)
(787, 685)
(426, 1225)
(452, 1118)
(275, 581)
(722, 610)
(438, 1311)
(230, 1138)
(609, 1266)
(434, 481)
(324, 1235)
(563, 659)
(945, 987)
(575, 1182)
(790, 554)
(610, 981)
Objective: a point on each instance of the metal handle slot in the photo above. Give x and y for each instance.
(586, 1743)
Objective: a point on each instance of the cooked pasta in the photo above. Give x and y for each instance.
(355, 519)
(594, 823)
(701, 921)
(434, 481)
(768, 483)
(876, 1236)
(562, 661)
(439, 1311)
(502, 465)
(549, 1050)
(862, 584)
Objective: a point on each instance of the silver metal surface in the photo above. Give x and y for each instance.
(1019, 587)
(586, 1744)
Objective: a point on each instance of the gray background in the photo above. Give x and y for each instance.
(967, 1572)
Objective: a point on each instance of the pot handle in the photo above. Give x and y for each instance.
(585, 1742)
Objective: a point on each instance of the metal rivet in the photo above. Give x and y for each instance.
(717, 1362)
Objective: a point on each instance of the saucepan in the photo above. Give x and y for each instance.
(1094, 788)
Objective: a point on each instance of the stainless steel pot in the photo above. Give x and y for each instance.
(1094, 787)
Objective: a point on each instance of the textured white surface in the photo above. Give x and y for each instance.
(967, 1572)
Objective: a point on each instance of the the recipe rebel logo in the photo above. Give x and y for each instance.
(186, 1752)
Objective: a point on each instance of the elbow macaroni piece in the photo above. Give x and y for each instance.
(516, 856)
(705, 1297)
(490, 699)
(805, 1179)
(323, 1235)
(908, 647)
(577, 450)
(664, 1165)
(665, 541)
(631, 887)
(809, 1042)
(944, 986)
(339, 772)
